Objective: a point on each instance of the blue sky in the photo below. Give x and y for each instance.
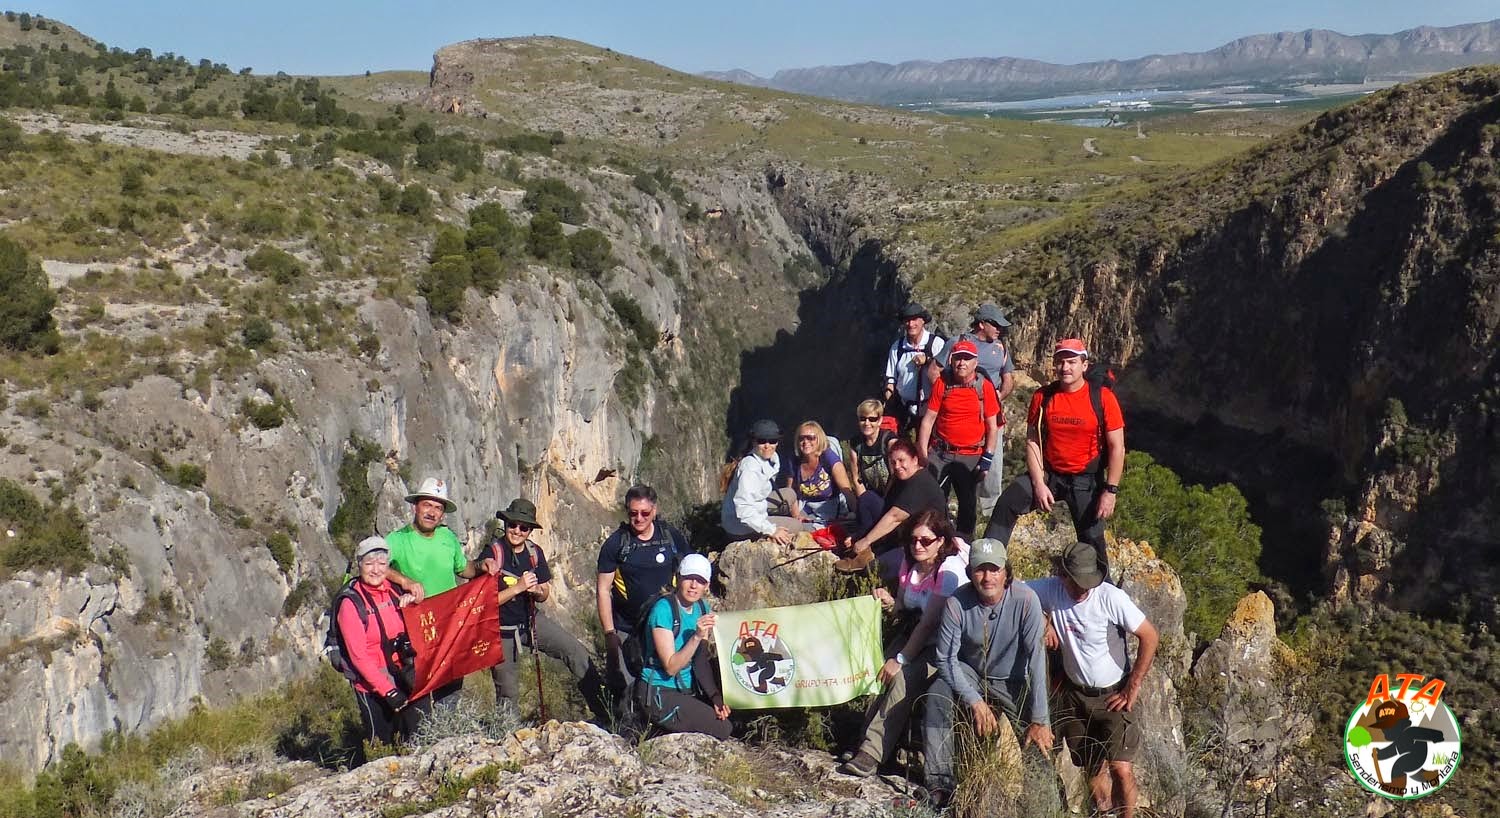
(345, 36)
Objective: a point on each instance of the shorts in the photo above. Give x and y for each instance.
(1094, 734)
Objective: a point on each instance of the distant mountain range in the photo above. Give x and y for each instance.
(1312, 56)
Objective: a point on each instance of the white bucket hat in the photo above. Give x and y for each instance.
(433, 489)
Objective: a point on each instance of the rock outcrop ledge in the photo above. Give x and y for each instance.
(557, 769)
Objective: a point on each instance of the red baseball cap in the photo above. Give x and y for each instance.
(1071, 346)
(964, 347)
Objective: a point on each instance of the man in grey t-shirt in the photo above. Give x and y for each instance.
(989, 654)
(986, 331)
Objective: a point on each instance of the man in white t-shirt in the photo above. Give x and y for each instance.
(1094, 701)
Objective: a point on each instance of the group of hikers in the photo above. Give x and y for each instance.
(1042, 661)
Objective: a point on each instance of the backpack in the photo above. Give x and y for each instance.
(1097, 376)
(862, 462)
(981, 377)
(637, 649)
(933, 339)
(400, 656)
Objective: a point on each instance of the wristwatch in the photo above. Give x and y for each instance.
(900, 658)
(1112, 488)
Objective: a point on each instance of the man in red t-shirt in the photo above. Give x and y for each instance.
(1063, 457)
(960, 431)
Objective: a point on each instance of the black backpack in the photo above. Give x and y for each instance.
(400, 656)
(1098, 376)
(638, 650)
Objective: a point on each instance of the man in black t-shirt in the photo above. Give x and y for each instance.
(636, 561)
(913, 490)
(526, 581)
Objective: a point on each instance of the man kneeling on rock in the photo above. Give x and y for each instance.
(989, 655)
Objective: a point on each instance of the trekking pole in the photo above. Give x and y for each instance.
(1375, 759)
(536, 655)
(794, 559)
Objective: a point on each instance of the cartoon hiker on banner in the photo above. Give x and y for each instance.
(760, 664)
(1391, 721)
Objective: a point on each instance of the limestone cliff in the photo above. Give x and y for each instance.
(1317, 321)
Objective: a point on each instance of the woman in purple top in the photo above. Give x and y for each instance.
(818, 478)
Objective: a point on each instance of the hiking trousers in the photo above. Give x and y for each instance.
(1079, 491)
(680, 711)
(552, 640)
(956, 472)
(378, 723)
(940, 717)
(887, 716)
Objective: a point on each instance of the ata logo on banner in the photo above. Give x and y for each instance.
(762, 663)
(1402, 742)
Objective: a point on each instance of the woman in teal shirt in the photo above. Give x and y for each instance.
(677, 681)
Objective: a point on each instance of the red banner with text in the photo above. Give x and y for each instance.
(455, 633)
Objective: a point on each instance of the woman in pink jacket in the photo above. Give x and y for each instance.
(369, 620)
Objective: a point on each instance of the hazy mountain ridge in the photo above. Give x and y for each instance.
(1313, 55)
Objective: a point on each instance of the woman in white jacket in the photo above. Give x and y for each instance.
(752, 497)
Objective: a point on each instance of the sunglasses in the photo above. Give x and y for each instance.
(807, 438)
(765, 440)
(522, 527)
(640, 515)
(870, 420)
(925, 542)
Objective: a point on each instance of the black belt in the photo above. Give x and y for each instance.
(1099, 691)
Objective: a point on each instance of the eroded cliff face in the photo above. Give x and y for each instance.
(1317, 321)
(535, 393)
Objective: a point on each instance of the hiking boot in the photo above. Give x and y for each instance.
(1429, 776)
(855, 564)
(937, 798)
(861, 766)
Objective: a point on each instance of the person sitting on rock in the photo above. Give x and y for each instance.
(819, 482)
(681, 692)
(1094, 709)
(989, 658)
(917, 581)
(369, 620)
(526, 582)
(752, 506)
(912, 491)
(866, 453)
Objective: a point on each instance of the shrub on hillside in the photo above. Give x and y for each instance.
(283, 267)
(257, 332)
(491, 226)
(188, 475)
(551, 195)
(265, 415)
(355, 516)
(1205, 534)
(26, 323)
(449, 241)
(282, 551)
(590, 251)
(642, 334)
(415, 201)
(545, 239)
(444, 284)
(47, 536)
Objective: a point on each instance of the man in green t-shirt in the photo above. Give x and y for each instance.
(427, 558)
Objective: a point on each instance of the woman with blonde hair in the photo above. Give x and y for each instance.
(818, 479)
